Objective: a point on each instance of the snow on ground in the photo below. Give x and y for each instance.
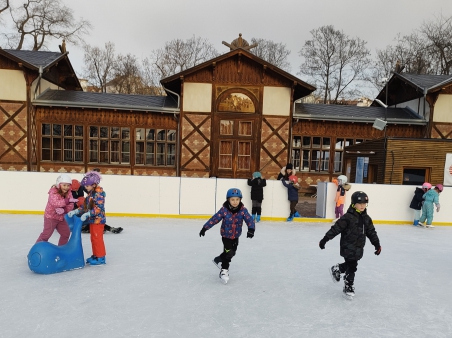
(159, 281)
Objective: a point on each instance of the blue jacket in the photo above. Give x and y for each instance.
(292, 191)
(231, 226)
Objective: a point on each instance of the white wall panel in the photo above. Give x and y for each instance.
(12, 85)
(197, 97)
(197, 196)
(276, 101)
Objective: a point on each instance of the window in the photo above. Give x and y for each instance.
(311, 153)
(109, 145)
(61, 142)
(155, 147)
(341, 143)
(414, 176)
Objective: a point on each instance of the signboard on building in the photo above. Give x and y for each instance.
(448, 170)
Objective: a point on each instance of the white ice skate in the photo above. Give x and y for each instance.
(224, 276)
(348, 292)
(429, 226)
(217, 262)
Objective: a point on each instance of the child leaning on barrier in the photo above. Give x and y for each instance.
(430, 197)
(257, 184)
(417, 201)
(292, 194)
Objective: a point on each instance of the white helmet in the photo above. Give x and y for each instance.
(342, 179)
(63, 178)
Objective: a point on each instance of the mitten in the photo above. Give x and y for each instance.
(250, 233)
(202, 232)
(59, 211)
(323, 242)
(377, 249)
(73, 212)
(73, 200)
(437, 207)
(84, 216)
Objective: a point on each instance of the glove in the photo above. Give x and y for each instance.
(250, 233)
(377, 249)
(202, 232)
(73, 212)
(84, 216)
(73, 200)
(437, 207)
(59, 211)
(323, 242)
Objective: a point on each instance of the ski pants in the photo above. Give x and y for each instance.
(50, 225)
(257, 207)
(229, 250)
(97, 239)
(339, 211)
(293, 204)
(427, 213)
(349, 267)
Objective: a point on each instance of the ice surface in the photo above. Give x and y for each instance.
(160, 281)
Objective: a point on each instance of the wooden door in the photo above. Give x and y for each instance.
(235, 146)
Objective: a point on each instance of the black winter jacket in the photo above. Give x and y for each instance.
(416, 202)
(354, 227)
(257, 188)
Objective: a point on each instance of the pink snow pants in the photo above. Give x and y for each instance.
(50, 225)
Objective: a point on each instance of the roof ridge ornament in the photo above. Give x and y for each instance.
(239, 43)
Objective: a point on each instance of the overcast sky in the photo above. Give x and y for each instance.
(139, 26)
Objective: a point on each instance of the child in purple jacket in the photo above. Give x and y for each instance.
(233, 214)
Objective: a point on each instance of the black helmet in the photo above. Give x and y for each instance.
(359, 197)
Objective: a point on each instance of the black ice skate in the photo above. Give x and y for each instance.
(217, 262)
(224, 276)
(116, 230)
(349, 290)
(335, 273)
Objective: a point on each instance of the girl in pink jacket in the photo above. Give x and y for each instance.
(60, 203)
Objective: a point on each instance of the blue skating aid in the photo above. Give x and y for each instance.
(47, 258)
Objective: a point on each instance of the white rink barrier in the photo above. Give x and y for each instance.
(387, 203)
(159, 196)
(145, 196)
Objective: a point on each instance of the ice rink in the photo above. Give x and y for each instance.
(159, 281)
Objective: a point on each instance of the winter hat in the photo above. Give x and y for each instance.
(426, 185)
(90, 178)
(257, 174)
(289, 166)
(63, 178)
(439, 187)
(293, 178)
(75, 185)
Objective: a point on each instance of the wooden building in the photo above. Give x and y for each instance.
(416, 158)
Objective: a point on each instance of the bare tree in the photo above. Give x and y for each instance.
(35, 21)
(272, 52)
(128, 78)
(438, 41)
(4, 5)
(178, 55)
(99, 65)
(334, 61)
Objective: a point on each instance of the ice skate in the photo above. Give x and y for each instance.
(96, 260)
(297, 214)
(335, 273)
(429, 226)
(224, 276)
(290, 218)
(421, 224)
(116, 230)
(217, 262)
(349, 291)
(258, 218)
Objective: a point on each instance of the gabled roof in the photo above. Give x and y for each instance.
(78, 99)
(403, 87)
(301, 88)
(56, 66)
(330, 112)
(32, 58)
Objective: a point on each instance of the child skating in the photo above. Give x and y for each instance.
(257, 184)
(430, 197)
(354, 227)
(93, 210)
(417, 201)
(232, 214)
(292, 194)
(342, 187)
